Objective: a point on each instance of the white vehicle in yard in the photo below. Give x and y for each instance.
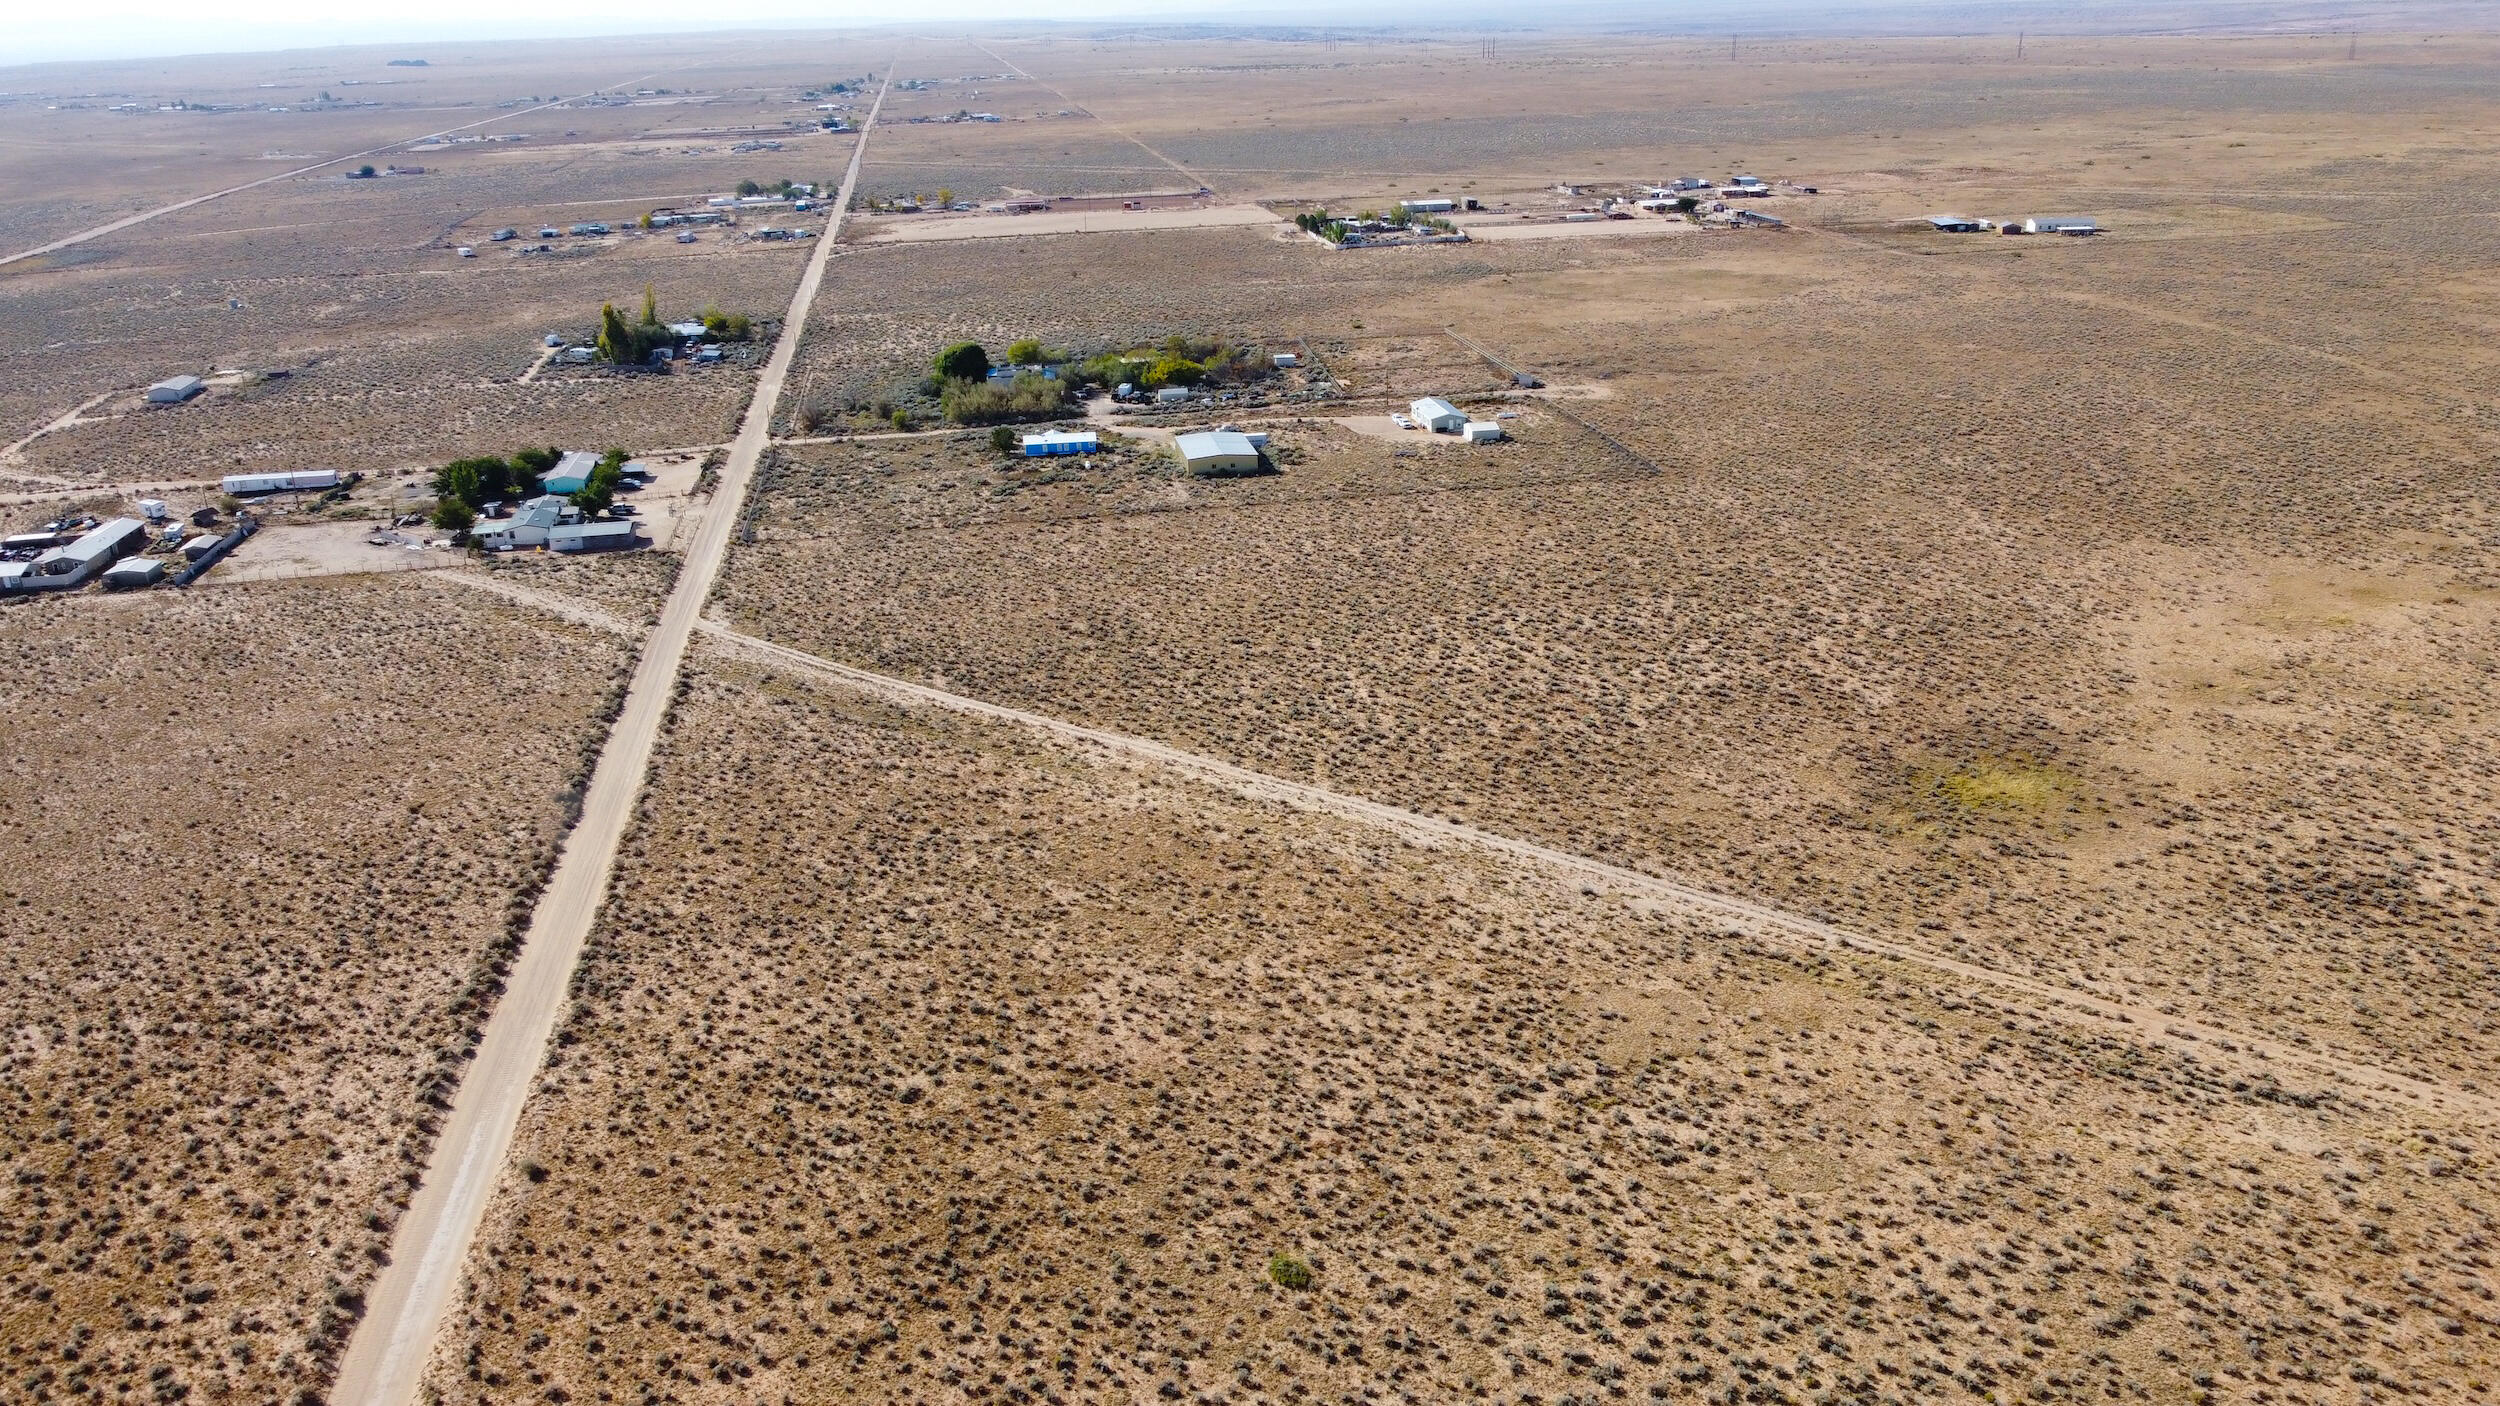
(1401, 421)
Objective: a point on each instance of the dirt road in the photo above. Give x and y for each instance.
(180, 205)
(1123, 133)
(2193, 1040)
(386, 1359)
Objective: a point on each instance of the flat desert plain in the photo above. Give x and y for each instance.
(1921, 827)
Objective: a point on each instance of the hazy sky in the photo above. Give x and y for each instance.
(37, 30)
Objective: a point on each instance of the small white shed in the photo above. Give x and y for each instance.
(1480, 432)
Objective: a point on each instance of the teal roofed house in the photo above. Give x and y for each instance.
(572, 472)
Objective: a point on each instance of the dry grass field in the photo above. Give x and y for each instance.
(2043, 668)
(918, 1062)
(265, 853)
(2116, 614)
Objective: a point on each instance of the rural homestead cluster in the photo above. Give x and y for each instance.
(125, 552)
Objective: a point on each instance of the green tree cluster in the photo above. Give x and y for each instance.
(463, 486)
(1028, 397)
(964, 361)
(726, 326)
(623, 343)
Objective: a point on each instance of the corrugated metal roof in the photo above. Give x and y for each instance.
(113, 538)
(1215, 444)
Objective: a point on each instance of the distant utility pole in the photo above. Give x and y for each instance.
(2352, 48)
(1731, 48)
(1485, 49)
(2018, 46)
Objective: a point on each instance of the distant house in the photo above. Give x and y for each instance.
(1481, 432)
(1438, 415)
(531, 525)
(175, 389)
(1955, 224)
(571, 473)
(1055, 442)
(1435, 206)
(2062, 224)
(1217, 453)
(1756, 217)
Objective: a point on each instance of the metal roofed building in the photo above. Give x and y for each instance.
(2062, 224)
(532, 525)
(1217, 453)
(1438, 415)
(68, 567)
(571, 473)
(592, 536)
(1481, 432)
(241, 484)
(1052, 442)
(134, 571)
(1955, 224)
(174, 389)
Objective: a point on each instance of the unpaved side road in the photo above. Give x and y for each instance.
(386, 1359)
(2193, 1040)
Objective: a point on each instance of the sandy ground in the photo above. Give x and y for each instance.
(908, 230)
(287, 550)
(1498, 232)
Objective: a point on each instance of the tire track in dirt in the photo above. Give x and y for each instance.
(2198, 1042)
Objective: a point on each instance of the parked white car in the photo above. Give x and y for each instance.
(1401, 422)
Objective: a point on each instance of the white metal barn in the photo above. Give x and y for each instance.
(1217, 452)
(174, 389)
(1438, 415)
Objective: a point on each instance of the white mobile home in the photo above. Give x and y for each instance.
(1055, 442)
(241, 485)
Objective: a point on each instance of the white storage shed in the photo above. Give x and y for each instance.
(1437, 415)
(1480, 432)
(174, 389)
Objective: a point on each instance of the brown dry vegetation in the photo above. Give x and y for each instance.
(2116, 613)
(917, 1061)
(2211, 590)
(265, 851)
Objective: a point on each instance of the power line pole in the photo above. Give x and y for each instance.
(2352, 49)
(2018, 46)
(1731, 48)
